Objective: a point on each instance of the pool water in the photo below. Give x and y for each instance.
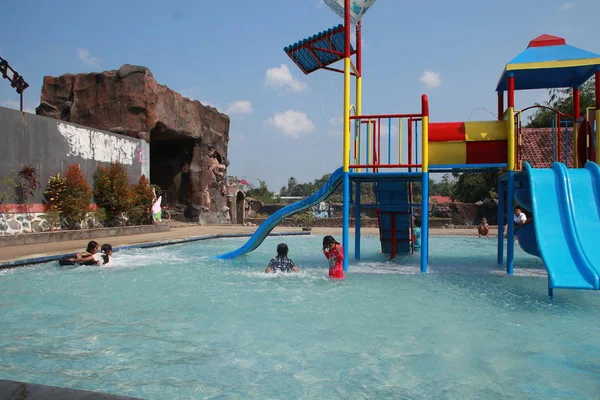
(170, 323)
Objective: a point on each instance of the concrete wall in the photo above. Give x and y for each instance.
(50, 145)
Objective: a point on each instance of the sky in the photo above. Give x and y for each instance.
(229, 54)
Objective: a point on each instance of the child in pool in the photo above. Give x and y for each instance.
(106, 255)
(484, 228)
(334, 252)
(417, 233)
(88, 257)
(281, 262)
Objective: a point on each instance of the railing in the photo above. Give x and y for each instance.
(371, 158)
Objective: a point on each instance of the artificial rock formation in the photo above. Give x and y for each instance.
(188, 141)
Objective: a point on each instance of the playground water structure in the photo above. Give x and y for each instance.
(548, 62)
(175, 324)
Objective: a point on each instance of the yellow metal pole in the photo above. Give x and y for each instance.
(346, 148)
(510, 120)
(358, 107)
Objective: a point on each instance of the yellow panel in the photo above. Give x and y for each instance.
(447, 153)
(553, 64)
(486, 130)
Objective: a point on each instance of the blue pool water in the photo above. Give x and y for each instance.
(169, 323)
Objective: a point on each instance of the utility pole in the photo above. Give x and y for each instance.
(16, 80)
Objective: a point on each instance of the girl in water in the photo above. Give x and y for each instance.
(334, 252)
(281, 262)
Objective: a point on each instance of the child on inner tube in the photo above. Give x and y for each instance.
(90, 256)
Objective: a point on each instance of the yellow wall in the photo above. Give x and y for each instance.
(485, 130)
(447, 153)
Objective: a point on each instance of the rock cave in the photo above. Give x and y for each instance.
(188, 140)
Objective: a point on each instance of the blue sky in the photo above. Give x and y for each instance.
(230, 54)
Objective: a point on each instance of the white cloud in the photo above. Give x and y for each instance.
(86, 57)
(11, 104)
(281, 77)
(190, 92)
(16, 105)
(292, 123)
(568, 6)
(431, 79)
(240, 107)
(336, 121)
(320, 3)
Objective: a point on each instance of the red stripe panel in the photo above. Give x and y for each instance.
(489, 152)
(447, 132)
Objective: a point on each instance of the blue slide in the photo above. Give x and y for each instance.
(566, 219)
(266, 227)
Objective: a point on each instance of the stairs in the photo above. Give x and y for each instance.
(394, 215)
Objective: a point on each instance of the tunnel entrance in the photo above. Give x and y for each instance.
(169, 165)
(239, 204)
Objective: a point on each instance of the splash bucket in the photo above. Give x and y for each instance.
(358, 8)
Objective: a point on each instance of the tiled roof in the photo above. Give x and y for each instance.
(536, 147)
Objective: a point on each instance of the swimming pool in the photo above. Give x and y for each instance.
(169, 323)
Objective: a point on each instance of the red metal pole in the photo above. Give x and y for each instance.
(597, 76)
(359, 48)
(410, 131)
(576, 104)
(378, 142)
(558, 137)
(500, 105)
(511, 91)
(576, 114)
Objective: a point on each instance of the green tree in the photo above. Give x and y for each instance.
(111, 189)
(562, 100)
(262, 193)
(76, 197)
(442, 188)
(472, 187)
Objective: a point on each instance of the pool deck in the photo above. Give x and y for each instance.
(15, 255)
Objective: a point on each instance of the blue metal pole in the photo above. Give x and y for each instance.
(500, 222)
(357, 221)
(346, 218)
(425, 222)
(510, 236)
(389, 140)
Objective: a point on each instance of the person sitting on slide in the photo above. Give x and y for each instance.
(281, 262)
(520, 218)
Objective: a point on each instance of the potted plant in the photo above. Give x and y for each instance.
(304, 219)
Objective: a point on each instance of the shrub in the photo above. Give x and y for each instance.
(142, 195)
(28, 184)
(76, 198)
(52, 217)
(54, 193)
(304, 219)
(111, 189)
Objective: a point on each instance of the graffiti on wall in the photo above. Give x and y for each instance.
(94, 145)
